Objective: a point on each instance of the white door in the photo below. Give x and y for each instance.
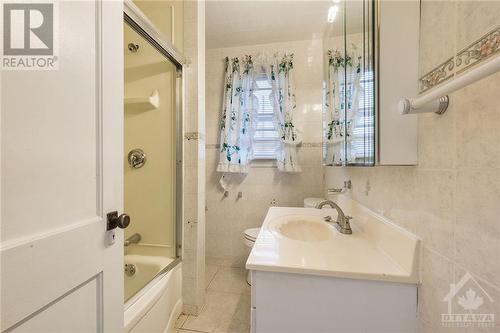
(61, 173)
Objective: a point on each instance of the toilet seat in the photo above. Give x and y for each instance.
(251, 234)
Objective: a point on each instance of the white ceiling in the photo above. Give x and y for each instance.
(243, 22)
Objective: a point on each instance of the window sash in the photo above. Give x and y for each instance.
(266, 136)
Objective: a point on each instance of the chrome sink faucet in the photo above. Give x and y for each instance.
(342, 224)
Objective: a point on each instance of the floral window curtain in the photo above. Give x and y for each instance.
(239, 105)
(343, 89)
(280, 74)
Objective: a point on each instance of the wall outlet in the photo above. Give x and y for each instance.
(273, 202)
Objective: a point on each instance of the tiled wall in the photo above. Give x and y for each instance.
(193, 263)
(264, 186)
(452, 198)
(467, 34)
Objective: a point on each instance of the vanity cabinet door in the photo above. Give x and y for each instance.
(398, 78)
(298, 303)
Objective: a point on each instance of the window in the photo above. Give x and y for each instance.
(266, 138)
(363, 133)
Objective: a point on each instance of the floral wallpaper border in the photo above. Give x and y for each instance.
(302, 145)
(478, 51)
(438, 75)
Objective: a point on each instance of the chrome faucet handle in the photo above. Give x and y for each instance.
(347, 225)
(327, 218)
(347, 186)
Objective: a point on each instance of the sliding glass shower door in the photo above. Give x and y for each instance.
(150, 155)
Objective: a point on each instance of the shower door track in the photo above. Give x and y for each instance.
(138, 21)
(151, 283)
(143, 26)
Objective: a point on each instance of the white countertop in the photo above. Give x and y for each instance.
(376, 250)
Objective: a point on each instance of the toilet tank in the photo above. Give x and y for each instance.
(312, 202)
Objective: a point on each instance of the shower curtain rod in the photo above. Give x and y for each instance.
(437, 100)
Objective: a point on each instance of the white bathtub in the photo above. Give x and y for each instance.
(156, 307)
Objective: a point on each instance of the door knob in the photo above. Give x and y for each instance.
(114, 220)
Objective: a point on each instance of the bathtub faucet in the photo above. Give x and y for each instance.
(134, 239)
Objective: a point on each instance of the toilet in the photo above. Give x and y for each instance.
(250, 235)
(312, 202)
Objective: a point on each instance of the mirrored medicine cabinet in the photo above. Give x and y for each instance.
(370, 57)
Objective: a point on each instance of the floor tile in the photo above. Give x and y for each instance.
(230, 280)
(180, 321)
(222, 313)
(210, 271)
(218, 261)
(240, 321)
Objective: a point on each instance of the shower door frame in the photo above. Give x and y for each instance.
(139, 22)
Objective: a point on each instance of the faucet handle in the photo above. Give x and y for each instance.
(327, 218)
(335, 190)
(346, 222)
(347, 226)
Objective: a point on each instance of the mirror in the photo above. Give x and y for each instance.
(349, 85)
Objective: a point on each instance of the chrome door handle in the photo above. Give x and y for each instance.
(113, 220)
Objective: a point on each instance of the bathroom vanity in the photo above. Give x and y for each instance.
(308, 277)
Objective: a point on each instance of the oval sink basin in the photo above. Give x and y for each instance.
(303, 229)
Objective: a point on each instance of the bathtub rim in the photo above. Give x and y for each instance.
(148, 296)
(144, 290)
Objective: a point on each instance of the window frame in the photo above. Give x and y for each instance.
(264, 159)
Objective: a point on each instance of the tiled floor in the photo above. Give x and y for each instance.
(227, 304)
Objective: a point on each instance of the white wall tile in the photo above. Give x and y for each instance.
(451, 198)
(227, 218)
(194, 158)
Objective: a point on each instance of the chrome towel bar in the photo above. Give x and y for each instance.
(437, 100)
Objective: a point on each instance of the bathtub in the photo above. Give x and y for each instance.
(158, 304)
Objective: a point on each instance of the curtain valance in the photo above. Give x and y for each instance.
(240, 106)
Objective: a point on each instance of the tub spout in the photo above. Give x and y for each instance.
(134, 239)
